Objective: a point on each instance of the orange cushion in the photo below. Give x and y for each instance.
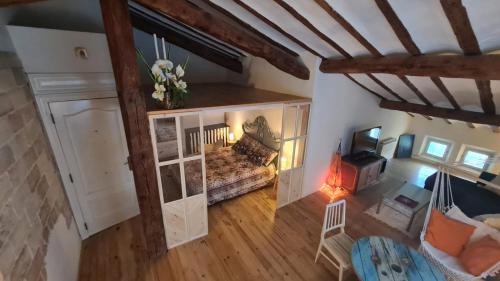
(447, 235)
(481, 255)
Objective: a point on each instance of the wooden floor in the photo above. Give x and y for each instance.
(246, 241)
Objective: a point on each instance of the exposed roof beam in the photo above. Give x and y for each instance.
(485, 67)
(417, 92)
(248, 26)
(311, 27)
(453, 114)
(348, 27)
(398, 27)
(459, 21)
(135, 120)
(193, 16)
(376, 80)
(447, 121)
(439, 83)
(146, 24)
(486, 97)
(276, 27)
(364, 87)
(427, 117)
(410, 114)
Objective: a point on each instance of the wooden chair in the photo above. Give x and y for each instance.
(338, 245)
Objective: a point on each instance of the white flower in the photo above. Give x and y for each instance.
(182, 85)
(159, 88)
(157, 73)
(170, 76)
(179, 71)
(165, 64)
(158, 95)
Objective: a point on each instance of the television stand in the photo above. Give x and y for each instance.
(361, 170)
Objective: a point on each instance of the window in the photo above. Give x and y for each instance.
(477, 158)
(437, 148)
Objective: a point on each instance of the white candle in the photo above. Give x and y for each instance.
(164, 53)
(156, 46)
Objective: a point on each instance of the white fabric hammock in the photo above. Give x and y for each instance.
(442, 200)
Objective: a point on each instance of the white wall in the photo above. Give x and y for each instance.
(459, 133)
(339, 108)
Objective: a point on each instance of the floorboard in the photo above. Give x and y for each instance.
(247, 241)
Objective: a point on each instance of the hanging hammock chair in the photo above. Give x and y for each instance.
(442, 200)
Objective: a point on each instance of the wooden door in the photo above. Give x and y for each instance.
(93, 141)
(292, 153)
(181, 175)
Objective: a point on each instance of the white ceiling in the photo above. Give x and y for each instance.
(424, 19)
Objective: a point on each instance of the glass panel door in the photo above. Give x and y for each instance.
(292, 152)
(180, 166)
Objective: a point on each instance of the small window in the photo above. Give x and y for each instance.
(437, 148)
(477, 158)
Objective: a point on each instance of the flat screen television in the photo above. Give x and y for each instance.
(365, 141)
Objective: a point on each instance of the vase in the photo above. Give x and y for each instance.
(170, 102)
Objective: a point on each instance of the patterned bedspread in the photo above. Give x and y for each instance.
(229, 174)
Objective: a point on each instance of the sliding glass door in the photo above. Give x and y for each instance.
(292, 153)
(180, 167)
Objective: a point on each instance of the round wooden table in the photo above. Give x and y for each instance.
(379, 258)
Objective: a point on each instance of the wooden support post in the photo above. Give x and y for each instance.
(118, 28)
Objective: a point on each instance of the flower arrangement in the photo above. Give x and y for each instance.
(169, 88)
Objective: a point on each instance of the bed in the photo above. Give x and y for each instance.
(230, 173)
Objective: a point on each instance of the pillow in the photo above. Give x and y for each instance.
(258, 153)
(493, 222)
(481, 230)
(480, 255)
(482, 218)
(447, 235)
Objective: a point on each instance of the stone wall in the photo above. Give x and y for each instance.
(31, 193)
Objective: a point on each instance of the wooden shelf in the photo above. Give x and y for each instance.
(222, 95)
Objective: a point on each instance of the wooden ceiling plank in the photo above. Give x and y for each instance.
(483, 67)
(195, 17)
(460, 23)
(398, 27)
(364, 87)
(312, 28)
(248, 26)
(452, 114)
(381, 84)
(119, 35)
(348, 27)
(277, 27)
(183, 41)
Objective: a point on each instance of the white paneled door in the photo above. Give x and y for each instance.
(292, 154)
(93, 141)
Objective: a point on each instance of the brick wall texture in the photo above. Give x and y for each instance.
(31, 193)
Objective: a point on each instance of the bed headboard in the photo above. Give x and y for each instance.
(212, 134)
(259, 130)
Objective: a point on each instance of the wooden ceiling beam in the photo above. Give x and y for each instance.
(447, 121)
(427, 117)
(119, 35)
(248, 26)
(311, 27)
(348, 27)
(381, 84)
(470, 125)
(398, 27)
(364, 87)
(439, 83)
(453, 114)
(484, 67)
(277, 28)
(195, 17)
(417, 92)
(460, 23)
(177, 38)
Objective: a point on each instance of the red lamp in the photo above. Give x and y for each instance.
(334, 180)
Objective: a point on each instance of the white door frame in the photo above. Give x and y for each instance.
(49, 88)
